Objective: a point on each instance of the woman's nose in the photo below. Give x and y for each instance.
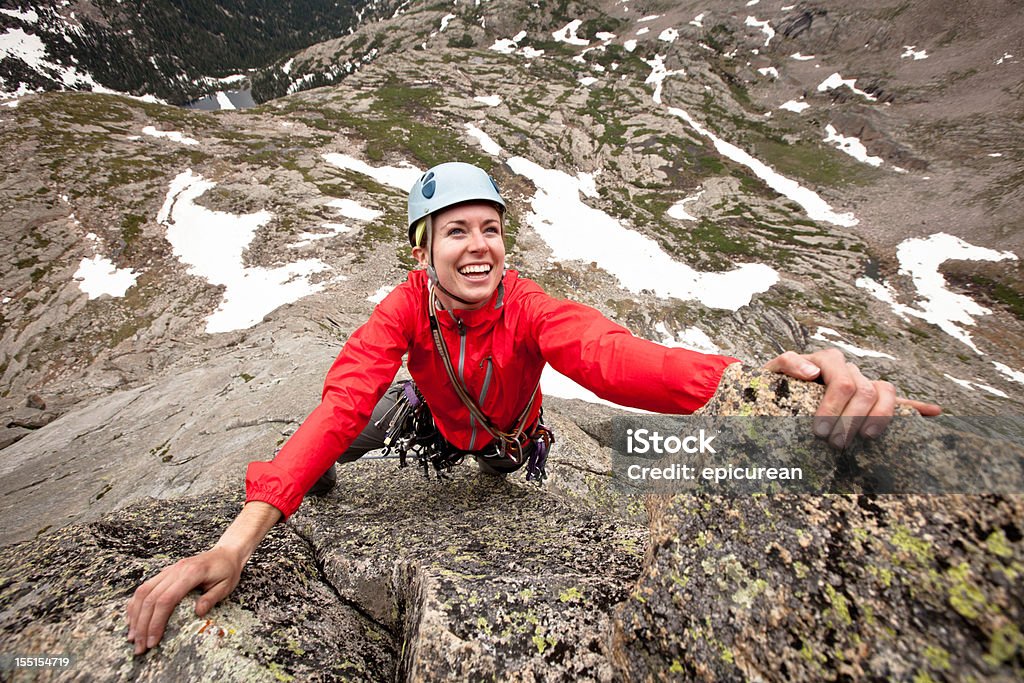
(479, 242)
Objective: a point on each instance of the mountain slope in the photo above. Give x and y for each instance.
(172, 50)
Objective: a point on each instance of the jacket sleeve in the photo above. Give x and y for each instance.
(610, 361)
(358, 378)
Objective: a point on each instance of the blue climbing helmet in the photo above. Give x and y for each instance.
(446, 185)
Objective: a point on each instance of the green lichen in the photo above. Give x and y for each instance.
(1004, 645)
(964, 596)
(279, 673)
(937, 657)
(839, 606)
(746, 595)
(998, 544)
(543, 642)
(917, 548)
(884, 575)
(573, 594)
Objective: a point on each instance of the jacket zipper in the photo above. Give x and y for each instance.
(462, 375)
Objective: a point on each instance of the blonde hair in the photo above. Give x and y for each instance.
(421, 231)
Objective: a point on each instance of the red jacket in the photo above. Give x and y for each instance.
(500, 358)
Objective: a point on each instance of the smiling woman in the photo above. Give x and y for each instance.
(467, 254)
(477, 338)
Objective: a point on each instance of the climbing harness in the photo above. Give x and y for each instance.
(409, 430)
(520, 444)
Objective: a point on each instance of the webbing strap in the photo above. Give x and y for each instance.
(505, 439)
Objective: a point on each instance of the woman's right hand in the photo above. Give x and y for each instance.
(216, 571)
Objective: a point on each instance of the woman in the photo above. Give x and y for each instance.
(477, 338)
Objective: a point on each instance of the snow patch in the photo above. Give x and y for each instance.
(692, 338)
(920, 259)
(765, 27)
(815, 206)
(1010, 373)
(380, 294)
(976, 385)
(567, 34)
(486, 142)
(212, 244)
(489, 100)
(794, 106)
(554, 383)
(576, 232)
(587, 81)
(824, 333)
(769, 71)
(307, 238)
(223, 101)
(400, 177)
(350, 208)
(588, 184)
(698, 21)
(29, 17)
(678, 210)
(98, 276)
(836, 81)
(630, 45)
(508, 46)
(909, 51)
(850, 145)
(801, 58)
(170, 135)
(669, 35)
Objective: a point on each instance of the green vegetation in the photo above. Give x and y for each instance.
(813, 163)
(465, 41)
(173, 46)
(1001, 293)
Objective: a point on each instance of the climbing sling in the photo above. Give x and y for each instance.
(409, 426)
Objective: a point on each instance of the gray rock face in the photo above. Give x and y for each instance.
(65, 594)
(790, 588)
(475, 577)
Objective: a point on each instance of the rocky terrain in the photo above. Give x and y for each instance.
(396, 578)
(156, 391)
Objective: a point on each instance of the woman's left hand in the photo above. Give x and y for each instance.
(852, 404)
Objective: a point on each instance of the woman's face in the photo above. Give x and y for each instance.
(469, 253)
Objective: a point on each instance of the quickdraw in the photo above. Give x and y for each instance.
(409, 430)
